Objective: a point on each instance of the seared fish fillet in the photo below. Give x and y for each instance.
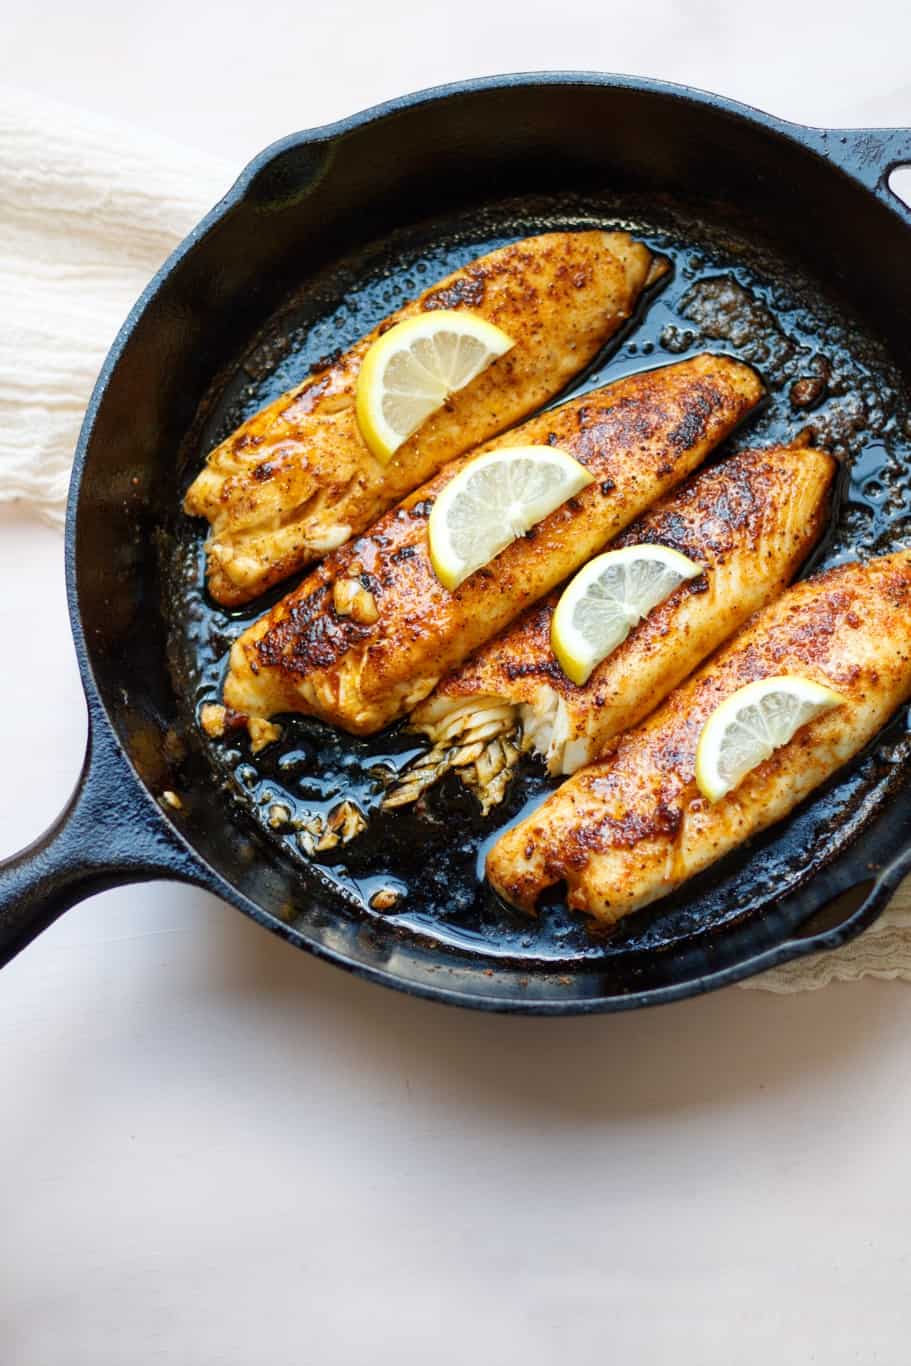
(370, 633)
(297, 479)
(749, 522)
(633, 826)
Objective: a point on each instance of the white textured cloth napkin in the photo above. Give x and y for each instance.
(88, 212)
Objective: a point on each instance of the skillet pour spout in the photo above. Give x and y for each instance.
(147, 805)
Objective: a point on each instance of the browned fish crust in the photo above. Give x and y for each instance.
(633, 826)
(638, 438)
(297, 479)
(749, 522)
(708, 519)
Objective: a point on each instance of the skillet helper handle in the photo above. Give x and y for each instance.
(110, 833)
(869, 154)
(854, 902)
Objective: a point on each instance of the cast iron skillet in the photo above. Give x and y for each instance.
(820, 197)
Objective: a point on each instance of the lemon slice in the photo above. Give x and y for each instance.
(751, 724)
(495, 499)
(606, 599)
(411, 370)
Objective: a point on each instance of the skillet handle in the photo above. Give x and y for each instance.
(110, 833)
(868, 154)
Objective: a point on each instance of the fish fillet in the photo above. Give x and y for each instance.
(632, 827)
(371, 631)
(749, 522)
(297, 479)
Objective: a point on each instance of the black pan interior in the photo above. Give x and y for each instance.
(824, 374)
(826, 346)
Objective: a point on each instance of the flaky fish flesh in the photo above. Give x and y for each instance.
(749, 523)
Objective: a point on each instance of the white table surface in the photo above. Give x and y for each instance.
(217, 1152)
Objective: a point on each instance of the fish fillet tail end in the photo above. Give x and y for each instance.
(523, 864)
